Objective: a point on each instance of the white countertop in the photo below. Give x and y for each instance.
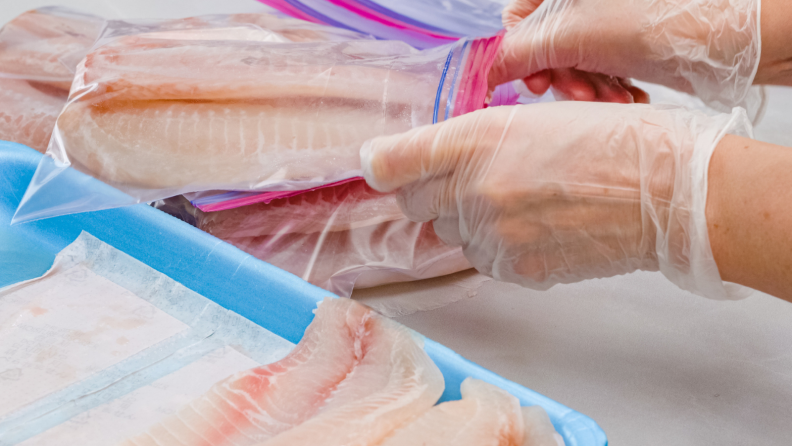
(652, 364)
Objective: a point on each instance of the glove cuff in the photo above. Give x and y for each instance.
(683, 247)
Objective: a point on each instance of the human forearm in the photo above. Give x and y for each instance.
(749, 214)
(775, 66)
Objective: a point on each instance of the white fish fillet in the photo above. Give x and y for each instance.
(539, 430)
(485, 416)
(217, 145)
(45, 45)
(344, 342)
(28, 112)
(393, 383)
(145, 68)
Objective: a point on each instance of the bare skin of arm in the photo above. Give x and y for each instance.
(775, 65)
(749, 214)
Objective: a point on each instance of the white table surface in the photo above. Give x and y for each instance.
(652, 364)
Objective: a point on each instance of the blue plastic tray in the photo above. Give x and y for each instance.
(273, 298)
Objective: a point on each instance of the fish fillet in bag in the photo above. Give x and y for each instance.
(39, 51)
(337, 237)
(352, 366)
(156, 117)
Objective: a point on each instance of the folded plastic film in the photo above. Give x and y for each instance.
(422, 24)
(337, 237)
(101, 326)
(39, 51)
(157, 114)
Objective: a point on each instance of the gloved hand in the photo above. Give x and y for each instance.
(561, 192)
(709, 48)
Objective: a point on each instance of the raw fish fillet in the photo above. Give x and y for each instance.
(337, 238)
(28, 112)
(394, 382)
(45, 45)
(297, 30)
(485, 416)
(394, 251)
(338, 362)
(339, 208)
(217, 145)
(539, 430)
(142, 67)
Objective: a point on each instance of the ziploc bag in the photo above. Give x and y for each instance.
(422, 24)
(337, 237)
(39, 51)
(162, 112)
(102, 346)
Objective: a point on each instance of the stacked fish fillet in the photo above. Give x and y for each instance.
(356, 378)
(39, 51)
(199, 106)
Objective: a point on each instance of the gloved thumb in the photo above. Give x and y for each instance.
(433, 151)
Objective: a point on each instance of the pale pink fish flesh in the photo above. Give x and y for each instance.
(46, 45)
(204, 146)
(28, 112)
(341, 361)
(144, 68)
(539, 430)
(394, 382)
(485, 416)
(255, 405)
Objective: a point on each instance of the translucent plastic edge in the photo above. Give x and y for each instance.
(473, 87)
(234, 199)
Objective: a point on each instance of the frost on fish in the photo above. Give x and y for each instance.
(46, 44)
(28, 111)
(485, 416)
(340, 361)
(393, 383)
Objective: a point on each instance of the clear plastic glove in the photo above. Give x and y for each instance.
(709, 48)
(561, 192)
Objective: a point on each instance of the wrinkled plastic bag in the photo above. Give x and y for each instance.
(167, 108)
(39, 51)
(337, 237)
(102, 346)
(422, 24)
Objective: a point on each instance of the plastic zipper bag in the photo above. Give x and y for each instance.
(336, 237)
(422, 24)
(39, 51)
(162, 109)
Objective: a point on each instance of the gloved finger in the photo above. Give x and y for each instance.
(573, 85)
(420, 201)
(517, 10)
(389, 162)
(610, 89)
(639, 96)
(539, 83)
(538, 42)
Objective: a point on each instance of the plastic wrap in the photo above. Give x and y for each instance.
(422, 24)
(102, 346)
(157, 110)
(336, 237)
(39, 51)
